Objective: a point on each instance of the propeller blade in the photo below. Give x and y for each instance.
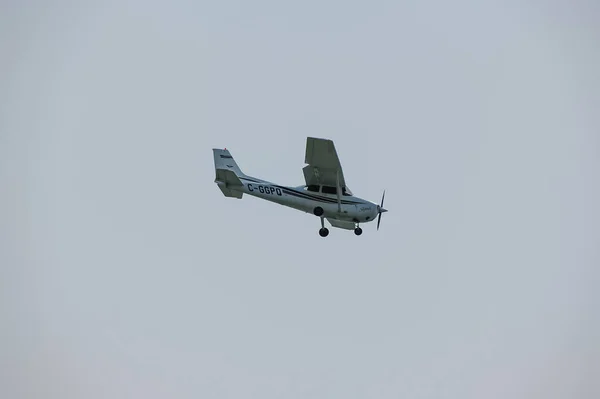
(381, 210)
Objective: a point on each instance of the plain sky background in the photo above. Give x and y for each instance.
(125, 273)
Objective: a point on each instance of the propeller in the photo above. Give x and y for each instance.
(380, 210)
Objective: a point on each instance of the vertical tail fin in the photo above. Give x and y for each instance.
(227, 173)
(224, 160)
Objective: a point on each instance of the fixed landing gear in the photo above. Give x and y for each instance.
(358, 231)
(318, 211)
(323, 231)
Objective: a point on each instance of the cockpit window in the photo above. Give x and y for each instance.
(329, 190)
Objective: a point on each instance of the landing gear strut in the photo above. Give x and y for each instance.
(323, 231)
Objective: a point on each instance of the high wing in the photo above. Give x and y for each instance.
(324, 167)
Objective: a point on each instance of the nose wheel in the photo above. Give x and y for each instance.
(323, 231)
(358, 231)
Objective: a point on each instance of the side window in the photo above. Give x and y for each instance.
(313, 187)
(329, 190)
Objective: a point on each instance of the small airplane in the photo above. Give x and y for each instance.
(325, 193)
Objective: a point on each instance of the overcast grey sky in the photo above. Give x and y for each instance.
(125, 273)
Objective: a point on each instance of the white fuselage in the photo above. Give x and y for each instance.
(349, 208)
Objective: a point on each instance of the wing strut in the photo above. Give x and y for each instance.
(338, 190)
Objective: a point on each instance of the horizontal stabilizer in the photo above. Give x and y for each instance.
(229, 192)
(227, 176)
(229, 183)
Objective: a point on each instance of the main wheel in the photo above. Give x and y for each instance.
(318, 211)
(358, 231)
(323, 232)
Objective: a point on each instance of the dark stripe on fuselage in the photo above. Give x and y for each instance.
(304, 195)
(252, 180)
(313, 197)
(295, 193)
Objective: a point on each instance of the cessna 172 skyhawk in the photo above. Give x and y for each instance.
(325, 193)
